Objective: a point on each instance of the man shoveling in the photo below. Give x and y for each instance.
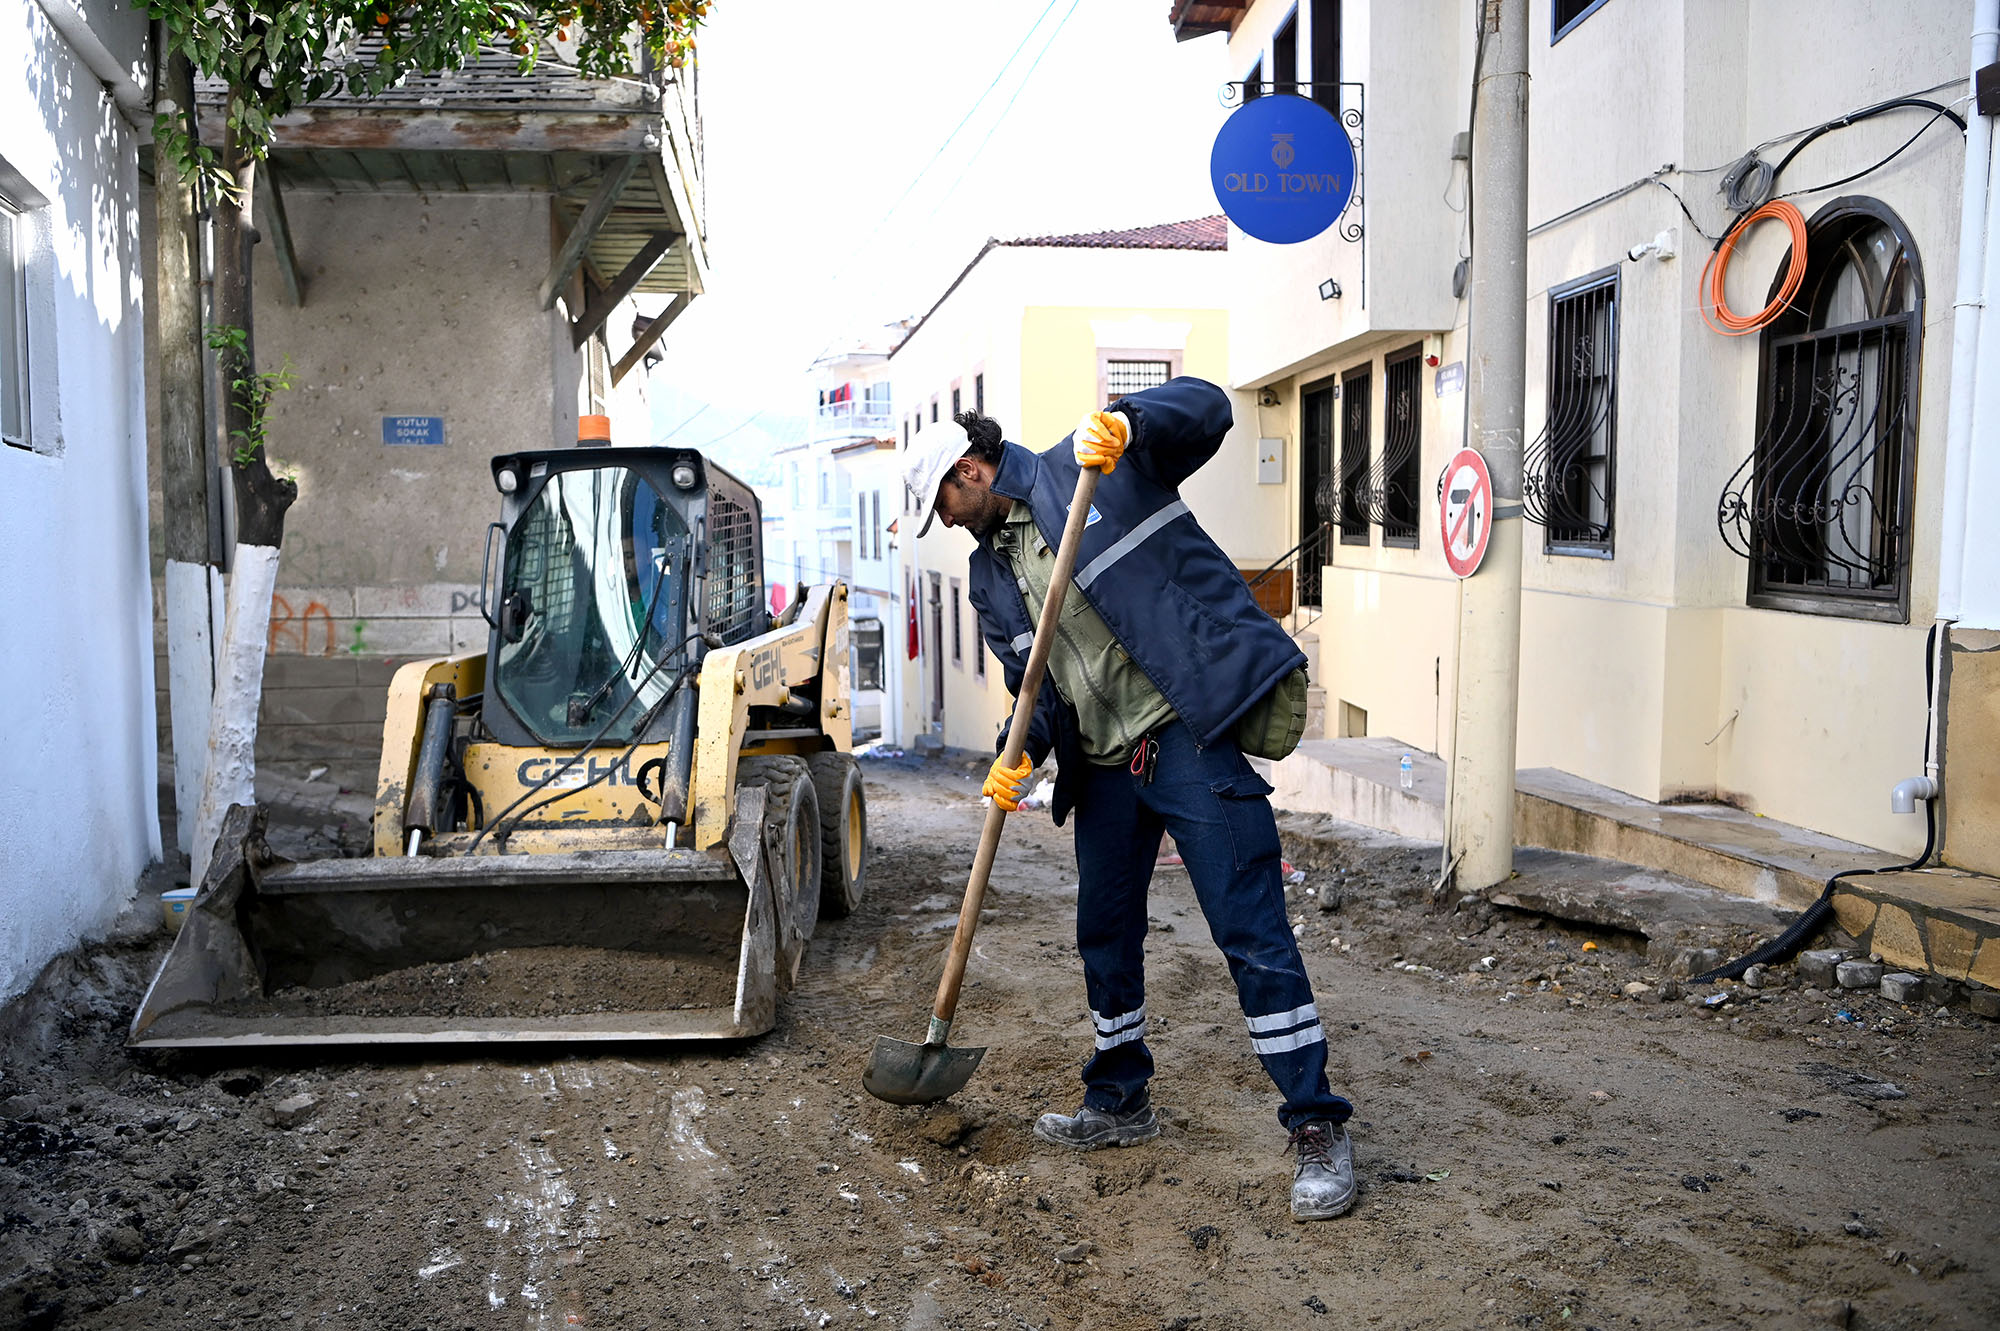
(1165, 672)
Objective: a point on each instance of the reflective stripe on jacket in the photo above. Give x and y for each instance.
(1169, 594)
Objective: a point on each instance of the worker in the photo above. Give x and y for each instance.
(1164, 668)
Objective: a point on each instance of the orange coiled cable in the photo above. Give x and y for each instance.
(1723, 320)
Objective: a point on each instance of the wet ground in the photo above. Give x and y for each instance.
(1539, 1142)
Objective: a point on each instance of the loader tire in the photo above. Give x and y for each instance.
(791, 826)
(843, 825)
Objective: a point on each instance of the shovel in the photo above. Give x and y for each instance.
(899, 1071)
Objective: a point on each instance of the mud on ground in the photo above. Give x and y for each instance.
(1535, 1148)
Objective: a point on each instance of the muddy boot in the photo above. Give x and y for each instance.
(1323, 1182)
(1088, 1129)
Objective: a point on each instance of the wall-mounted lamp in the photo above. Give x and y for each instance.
(1329, 290)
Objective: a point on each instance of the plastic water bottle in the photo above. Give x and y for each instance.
(1407, 773)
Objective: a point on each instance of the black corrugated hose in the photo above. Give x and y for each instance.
(1785, 944)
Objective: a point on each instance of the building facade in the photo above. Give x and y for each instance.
(1737, 545)
(79, 814)
(827, 515)
(448, 276)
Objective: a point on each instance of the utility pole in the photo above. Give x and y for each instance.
(193, 581)
(1480, 832)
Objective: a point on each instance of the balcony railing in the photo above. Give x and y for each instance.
(861, 417)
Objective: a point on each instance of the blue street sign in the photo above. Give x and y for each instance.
(1283, 168)
(405, 430)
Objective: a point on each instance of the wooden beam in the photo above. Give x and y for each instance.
(397, 129)
(599, 307)
(280, 229)
(670, 202)
(646, 339)
(594, 213)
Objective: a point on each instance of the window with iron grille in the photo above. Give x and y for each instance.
(955, 408)
(1355, 392)
(734, 586)
(934, 406)
(1402, 445)
(1568, 474)
(979, 393)
(1130, 376)
(1821, 508)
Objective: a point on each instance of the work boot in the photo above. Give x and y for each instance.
(1088, 1129)
(1323, 1182)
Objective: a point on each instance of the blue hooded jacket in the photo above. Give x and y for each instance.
(1172, 598)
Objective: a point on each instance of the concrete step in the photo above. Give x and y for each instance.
(1941, 920)
(1944, 921)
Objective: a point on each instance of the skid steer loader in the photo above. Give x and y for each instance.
(619, 822)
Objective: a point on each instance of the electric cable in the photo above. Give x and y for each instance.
(1001, 119)
(1867, 170)
(1747, 183)
(1810, 920)
(1716, 313)
(840, 270)
(645, 722)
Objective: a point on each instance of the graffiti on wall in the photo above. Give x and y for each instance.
(296, 630)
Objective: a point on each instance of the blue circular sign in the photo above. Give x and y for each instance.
(1282, 168)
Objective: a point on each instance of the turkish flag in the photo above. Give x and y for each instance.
(915, 641)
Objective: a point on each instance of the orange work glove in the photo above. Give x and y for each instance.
(1005, 785)
(1100, 439)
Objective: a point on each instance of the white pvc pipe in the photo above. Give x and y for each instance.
(232, 732)
(1977, 207)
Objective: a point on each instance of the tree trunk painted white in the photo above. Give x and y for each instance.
(194, 609)
(239, 684)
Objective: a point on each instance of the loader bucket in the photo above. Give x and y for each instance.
(593, 945)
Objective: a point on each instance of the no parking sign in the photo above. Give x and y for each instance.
(1466, 511)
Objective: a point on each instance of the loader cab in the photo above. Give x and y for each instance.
(606, 570)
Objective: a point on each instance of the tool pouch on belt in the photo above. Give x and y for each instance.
(1274, 723)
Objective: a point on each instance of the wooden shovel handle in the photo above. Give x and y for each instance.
(1017, 742)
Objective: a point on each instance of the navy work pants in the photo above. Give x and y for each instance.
(1215, 806)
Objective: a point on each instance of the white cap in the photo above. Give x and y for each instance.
(943, 444)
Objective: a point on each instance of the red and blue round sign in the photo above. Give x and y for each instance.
(1282, 168)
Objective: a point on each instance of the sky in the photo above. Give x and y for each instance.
(859, 154)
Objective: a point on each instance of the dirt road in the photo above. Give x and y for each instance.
(1535, 1148)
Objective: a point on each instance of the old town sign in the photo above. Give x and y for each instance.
(1283, 168)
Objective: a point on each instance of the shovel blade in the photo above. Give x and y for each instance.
(905, 1073)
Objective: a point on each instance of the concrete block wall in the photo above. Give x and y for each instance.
(332, 653)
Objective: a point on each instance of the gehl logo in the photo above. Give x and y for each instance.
(584, 771)
(764, 668)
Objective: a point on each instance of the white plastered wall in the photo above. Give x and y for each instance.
(78, 804)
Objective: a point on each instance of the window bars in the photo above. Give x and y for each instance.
(1821, 506)
(1130, 376)
(1393, 488)
(1356, 390)
(1567, 477)
(735, 588)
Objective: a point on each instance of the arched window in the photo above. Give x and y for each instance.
(1822, 507)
